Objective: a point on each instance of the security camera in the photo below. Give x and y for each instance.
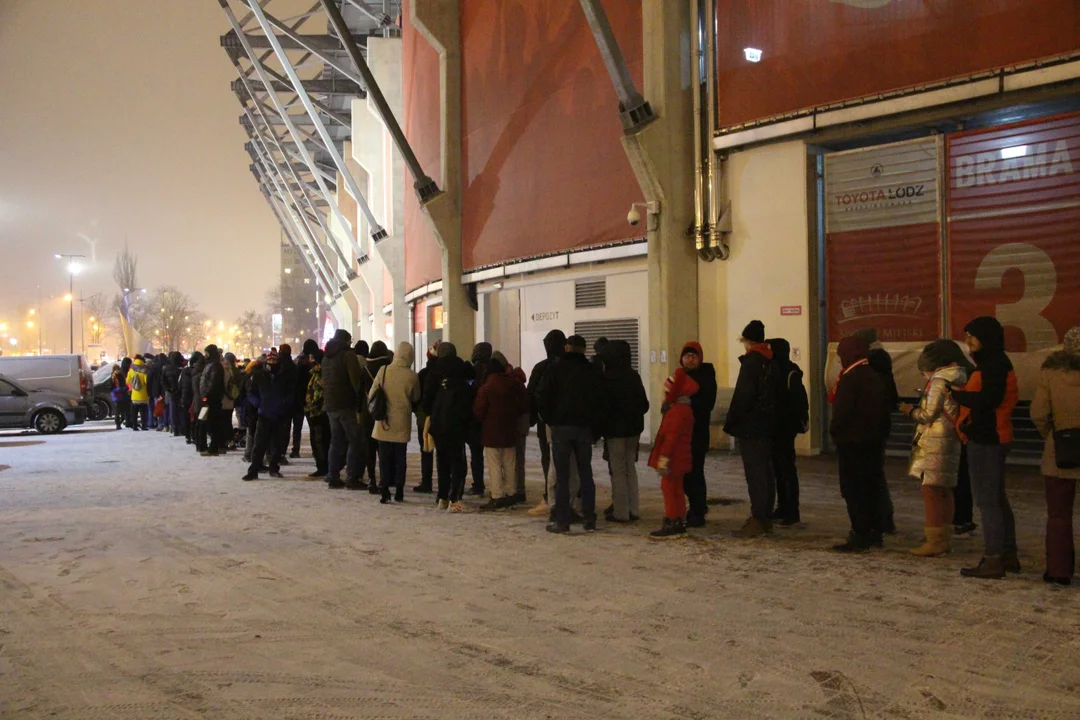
(633, 217)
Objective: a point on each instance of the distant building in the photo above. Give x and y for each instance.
(299, 299)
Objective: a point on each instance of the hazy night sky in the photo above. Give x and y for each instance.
(116, 120)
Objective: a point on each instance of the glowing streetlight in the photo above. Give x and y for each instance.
(32, 311)
(67, 298)
(30, 324)
(73, 270)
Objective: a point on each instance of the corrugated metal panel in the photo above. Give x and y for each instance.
(625, 329)
(590, 294)
(1014, 229)
(883, 242)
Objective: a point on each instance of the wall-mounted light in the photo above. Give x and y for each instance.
(752, 54)
(498, 286)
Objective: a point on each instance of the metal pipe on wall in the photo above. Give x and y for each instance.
(701, 210)
(712, 181)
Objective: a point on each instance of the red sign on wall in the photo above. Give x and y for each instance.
(1014, 229)
(790, 310)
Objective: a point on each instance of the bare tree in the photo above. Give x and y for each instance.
(251, 333)
(173, 319)
(101, 318)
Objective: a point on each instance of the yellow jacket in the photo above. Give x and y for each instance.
(142, 395)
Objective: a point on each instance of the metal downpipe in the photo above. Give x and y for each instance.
(716, 244)
(700, 201)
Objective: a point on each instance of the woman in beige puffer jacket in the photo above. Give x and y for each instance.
(936, 448)
(402, 387)
(1056, 406)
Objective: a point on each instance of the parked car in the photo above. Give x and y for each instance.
(103, 406)
(46, 411)
(66, 375)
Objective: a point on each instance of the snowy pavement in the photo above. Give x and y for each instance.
(138, 580)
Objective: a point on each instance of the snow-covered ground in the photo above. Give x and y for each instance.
(138, 580)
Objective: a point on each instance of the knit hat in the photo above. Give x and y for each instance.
(754, 332)
(1072, 341)
(693, 346)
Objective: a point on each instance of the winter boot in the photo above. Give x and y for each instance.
(541, 510)
(989, 568)
(1011, 562)
(673, 529)
(423, 487)
(936, 545)
(853, 544)
(753, 528)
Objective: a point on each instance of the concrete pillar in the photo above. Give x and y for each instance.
(662, 156)
(439, 22)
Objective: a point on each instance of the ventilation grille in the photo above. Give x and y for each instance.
(590, 294)
(627, 330)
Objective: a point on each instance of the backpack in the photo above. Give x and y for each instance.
(379, 405)
(452, 411)
(137, 383)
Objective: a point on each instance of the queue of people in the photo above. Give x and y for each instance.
(360, 404)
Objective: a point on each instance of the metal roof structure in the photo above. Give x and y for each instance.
(296, 79)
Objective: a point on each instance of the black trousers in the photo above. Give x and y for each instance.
(476, 458)
(860, 485)
(122, 412)
(450, 460)
(140, 415)
(964, 508)
(266, 434)
(212, 425)
(297, 429)
(371, 448)
(319, 434)
(694, 481)
(787, 477)
(545, 456)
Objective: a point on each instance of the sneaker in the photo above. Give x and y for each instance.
(515, 499)
(283, 461)
(477, 490)
(557, 529)
(590, 524)
(335, 484)
(612, 519)
(354, 485)
(964, 528)
(752, 528)
(385, 499)
(456, 507)
(423, 487)
(294, 454)
(209, 453)
(790, 521)
(672, 529)
(541, 510)
(442, 504)
(250, 476)
(399, 496)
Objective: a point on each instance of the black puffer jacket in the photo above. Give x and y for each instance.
(212, 381)
(572, 393)
(627, 401)
(340, 375)
(170, 374)
(555, 345)
(752, 411)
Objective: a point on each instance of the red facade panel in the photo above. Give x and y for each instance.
(1014, 229)
(420, 86)
(817, 52)
(544, 167)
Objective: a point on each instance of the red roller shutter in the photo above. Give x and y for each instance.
(883, 241)
(1014, 229)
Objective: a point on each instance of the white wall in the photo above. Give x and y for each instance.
(769, 265)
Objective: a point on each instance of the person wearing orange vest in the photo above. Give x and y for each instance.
(986, 404)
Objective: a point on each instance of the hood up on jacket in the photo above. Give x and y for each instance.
(781, 350)
(405, 355)
(852, 349)
(555, 344)
(446, 350)
(196, 358)
(988, 331)
(176, 359)
(342, 340)
(679, 385)
(695, 347)
(1067, 359)
(378, 350)
(618, 357)
(482, 352)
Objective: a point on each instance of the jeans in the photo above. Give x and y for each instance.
(264, 437)
(1060, 551)
(140, 413)
(963, 515)
(450, 461)
(549, 480)
(502, 462)
(476, 457)
(760, 480)
(319, 434)
(624, 480)
(297, 430)
(987, 464)
(545, 454)
(178, 417)
(787, 477)
(572, 442)
(694, 481)
(860, 486)
(392, 465)
(345, 446)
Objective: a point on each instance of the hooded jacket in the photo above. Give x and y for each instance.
(627, 401)
(271, 390)
(448, 397)
(1056, 406)
(212, 380)
(402, 387)
(752, 413)
(500, 403)
(340, 374)
(673, 440)
(142, 395)
(936, 449)
(991, 393)
(153, 376)
(571, 393)
(481, 359)
(196, 381)
(792, 402)
(170, 375)
(860, 409)
(704, 400)
(554, 346)
(187, 391)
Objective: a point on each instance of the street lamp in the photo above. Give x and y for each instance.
(73, 269)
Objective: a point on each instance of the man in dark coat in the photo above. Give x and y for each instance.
(427, 459)
(212, 387)
(481, 358)
(623, 424)
(572, 401)
(341, 383)
(792, 419)
(702, 402)
(860, 412)
(448, 400)
(170, 384)
(303, 372)
(554, 346)
(751, 419)
(273, 388)
(881, 363)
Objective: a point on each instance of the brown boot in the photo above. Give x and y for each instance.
(989, 568)
(936, 545)
(1011, 562)
(752, 528)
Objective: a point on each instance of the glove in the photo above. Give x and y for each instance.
(662, 465)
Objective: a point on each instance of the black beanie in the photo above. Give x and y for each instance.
(754, 332)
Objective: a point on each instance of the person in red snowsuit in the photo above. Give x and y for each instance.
(671, 456)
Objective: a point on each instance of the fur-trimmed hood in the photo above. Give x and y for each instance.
(1062, 360)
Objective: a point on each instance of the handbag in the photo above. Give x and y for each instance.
(1067, 448)
(379, 403)
(159, 408)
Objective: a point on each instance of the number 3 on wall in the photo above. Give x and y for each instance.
(1040, 286)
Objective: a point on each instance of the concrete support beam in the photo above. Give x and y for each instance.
(662, 157)
(439, 22)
